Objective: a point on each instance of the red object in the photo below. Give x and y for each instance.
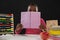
(45, 35)
(9, 14)
(43, 22)
(32, 31)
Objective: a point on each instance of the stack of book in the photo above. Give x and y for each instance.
(53, 27)
(6, 23)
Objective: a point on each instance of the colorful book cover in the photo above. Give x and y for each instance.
(50, 23)
(6, 23)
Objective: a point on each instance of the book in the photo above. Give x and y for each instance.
(6, 22)
(53, 27)
(30, 19)
(50, 23)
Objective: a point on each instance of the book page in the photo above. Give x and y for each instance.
(25, 19)
(35, 19)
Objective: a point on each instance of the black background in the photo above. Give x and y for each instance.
(48, 8)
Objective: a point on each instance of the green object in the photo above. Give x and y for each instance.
(9, 31)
